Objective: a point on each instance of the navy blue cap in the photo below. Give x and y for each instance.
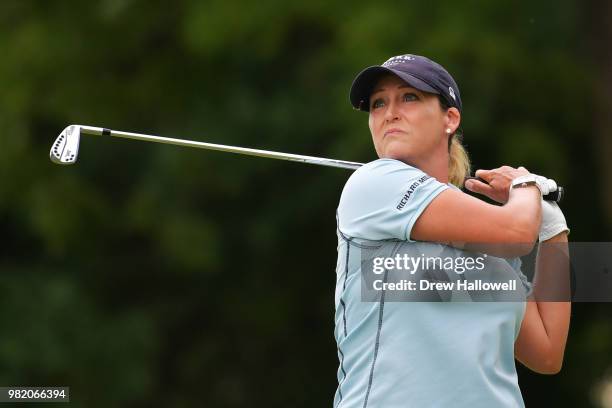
(417, 71)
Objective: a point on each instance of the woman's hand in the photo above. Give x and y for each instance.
(498, 182)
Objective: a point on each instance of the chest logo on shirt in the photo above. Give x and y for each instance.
(411, 190)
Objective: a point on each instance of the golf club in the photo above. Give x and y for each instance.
(65, 150)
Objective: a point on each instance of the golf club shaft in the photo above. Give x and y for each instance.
(97, 131)
(90, 130)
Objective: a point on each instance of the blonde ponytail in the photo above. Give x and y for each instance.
(458, 162)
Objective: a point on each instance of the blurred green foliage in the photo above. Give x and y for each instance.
(153, 275)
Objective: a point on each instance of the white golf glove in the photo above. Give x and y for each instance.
(553, 221)
(546, 185)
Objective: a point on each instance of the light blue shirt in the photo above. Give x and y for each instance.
(413, 354)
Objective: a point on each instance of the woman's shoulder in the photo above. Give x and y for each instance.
(383, 172)
(386, 164)
(382, 199)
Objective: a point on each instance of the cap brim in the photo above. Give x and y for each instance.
(364, 83)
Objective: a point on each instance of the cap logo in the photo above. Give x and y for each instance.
(398, 60)
(451, 92)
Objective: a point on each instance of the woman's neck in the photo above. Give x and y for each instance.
(436, 166)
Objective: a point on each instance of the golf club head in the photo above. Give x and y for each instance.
(66, 147)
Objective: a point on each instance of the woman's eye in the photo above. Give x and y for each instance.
(378, 103)
(410, 97)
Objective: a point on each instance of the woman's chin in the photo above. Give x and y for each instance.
(396, 149)
(395, 155)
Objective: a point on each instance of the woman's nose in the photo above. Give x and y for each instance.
(391, 112)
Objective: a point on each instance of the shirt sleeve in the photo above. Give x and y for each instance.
(384, 198)
(516, 264)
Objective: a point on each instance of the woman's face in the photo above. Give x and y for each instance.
(408, 124)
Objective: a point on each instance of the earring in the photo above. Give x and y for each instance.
(448, 131)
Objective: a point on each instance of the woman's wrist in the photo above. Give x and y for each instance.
(531, 188)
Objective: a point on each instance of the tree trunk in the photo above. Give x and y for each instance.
(599, 20)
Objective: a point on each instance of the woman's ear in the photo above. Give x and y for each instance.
(453, 118)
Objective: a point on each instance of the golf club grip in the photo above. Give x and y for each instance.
(555, 196)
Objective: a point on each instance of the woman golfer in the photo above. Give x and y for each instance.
(436, 354)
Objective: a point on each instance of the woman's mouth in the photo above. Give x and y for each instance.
(393, 131)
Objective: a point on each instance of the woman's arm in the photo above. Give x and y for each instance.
(541, 342)
(454, 216)
(457, 217)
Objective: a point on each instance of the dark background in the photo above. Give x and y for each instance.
(150, 275)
